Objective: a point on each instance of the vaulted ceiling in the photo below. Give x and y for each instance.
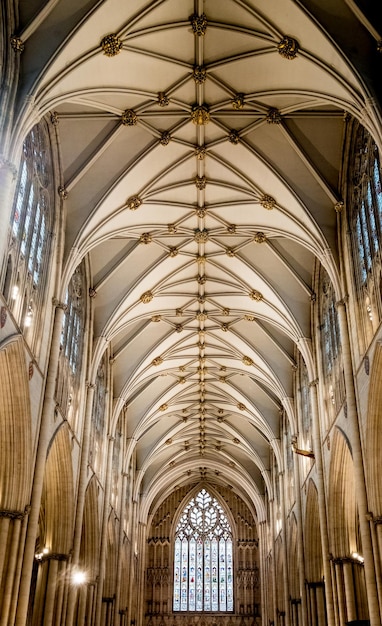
(201, 147)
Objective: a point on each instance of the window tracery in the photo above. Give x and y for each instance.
(365, 217)
(98, 418)
(203, 557)
(71, 345)
(330, 347)
(30, 230)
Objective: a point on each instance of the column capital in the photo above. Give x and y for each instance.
(59, 305)
(90, 385)
(313, 383)
(342, 302)
(12, 514)
(5, 164)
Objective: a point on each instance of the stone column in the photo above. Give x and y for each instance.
(285, 550)
(275, 618)
(11, 568)
(102, 555)
(340, 592)
(81, 493)
(19, 562)
(131, 568)
(359, 476)
(38, 478)
(316, 438)
(351, 612)
(120, 546)
(300, 539)
(50, 590)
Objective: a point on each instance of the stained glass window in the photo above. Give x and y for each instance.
(331, 347)
(30, 230)
(203, 559)
(365, 217)
(71, 346)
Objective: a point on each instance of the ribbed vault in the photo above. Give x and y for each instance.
(201, 146)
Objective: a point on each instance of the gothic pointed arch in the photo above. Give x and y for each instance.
(58, 495)
(203, 556)
(373, 439)
(15, 427)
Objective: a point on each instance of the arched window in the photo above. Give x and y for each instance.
(203, 560)
(30, 231)
(98, 418)
(71, 345)
(330, 347)
(365, 215)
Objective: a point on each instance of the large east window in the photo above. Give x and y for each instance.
(203, 559)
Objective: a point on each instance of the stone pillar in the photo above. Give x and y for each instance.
(359, 476)
(102, 555)
(81, 492)
(19, 562)
(120, 546)
(131, 568)
(11, 568)
(340, 593)
(273, 539)
(285, 550)
(50, 591)
(300, 539)
(316, 438)
(351, 612)
(38, 478)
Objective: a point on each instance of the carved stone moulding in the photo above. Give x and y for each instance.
(163, 100)
(199, 24)
(256, 295)
(238, 101)
(157, 361)
(259, 237)
(200, 115)
(199, 74)
(145, 238)
(133, 203)
(268, 202)
(200, 182)
(273, 116)
(129, 118)
(17, 43)
(165, 138)
(233, 137)
(200, 152)
(201, 236)
(173, 252)
(111, 45)
(247, 360)
(146, 297)
(288, 47)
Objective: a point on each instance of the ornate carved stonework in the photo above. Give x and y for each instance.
(201, 236)
(200, 182)
(199, 24)
(268, 202)
(288, 47)
(256, 295)
(129, 118)
(133, 203)
(199, 74)
(163, 100)
(200, 152)
(238, 101)
(173, 252)
(233, 137)
(200, 115)
(273, 116)
(146, 297)
(157, 361)
(247, 360)
(165, 138)
(145, 238)
(17, 44)
(259, 237)
(111, 45)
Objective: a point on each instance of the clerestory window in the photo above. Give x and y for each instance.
(203, 559)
